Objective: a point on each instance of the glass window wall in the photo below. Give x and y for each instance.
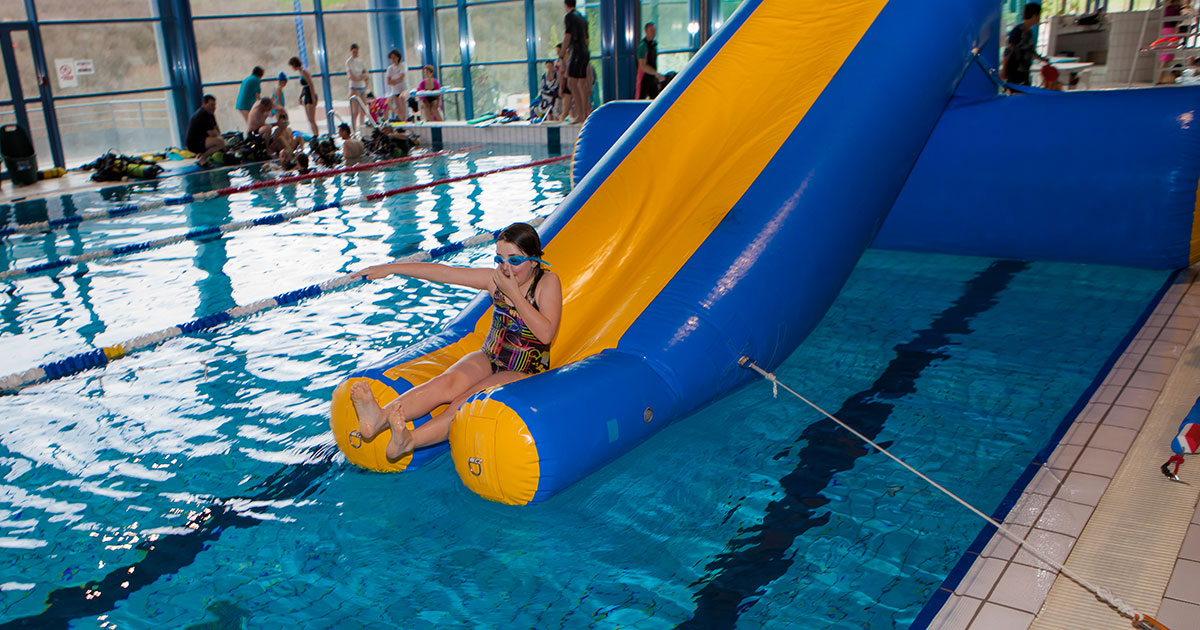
(123, 56)
(128, 68)
(500, 86)
(547, 26)
(343, 29)
(249, 7)
(80, 10)
(447, 30)
(12, 11)
(453, 105)
(93, 126)
(413, 48)
(229, 48)
(727, 9)
(671, 19)
(492, 28)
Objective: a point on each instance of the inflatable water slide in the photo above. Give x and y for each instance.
(722, 223)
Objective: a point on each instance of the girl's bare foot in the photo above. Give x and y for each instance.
(402, 440)
(370, 416)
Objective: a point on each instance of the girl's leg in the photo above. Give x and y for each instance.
(438, 428)
(420, 400)
(311, 110)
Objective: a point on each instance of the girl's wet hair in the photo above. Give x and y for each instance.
(524, 237)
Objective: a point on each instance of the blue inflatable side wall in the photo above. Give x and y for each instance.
(1100, 177)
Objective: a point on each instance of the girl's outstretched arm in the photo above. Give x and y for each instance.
(462, 276)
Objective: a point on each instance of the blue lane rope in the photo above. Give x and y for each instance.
(191, 235)
(226, 228)
(98, 357)
(111, 213)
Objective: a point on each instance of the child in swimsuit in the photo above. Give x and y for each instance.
(431, 106)
(527, 307)
(548, 98)
(308, 98)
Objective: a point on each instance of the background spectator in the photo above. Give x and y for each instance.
(358, 86)
(248, 94)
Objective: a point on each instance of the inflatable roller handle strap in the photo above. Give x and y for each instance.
(1143, 622)
(1172, 475)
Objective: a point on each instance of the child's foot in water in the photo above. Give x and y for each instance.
(402, 441)
(370, 416)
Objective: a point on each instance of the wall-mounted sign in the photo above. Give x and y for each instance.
(84, 66)
(65, 69)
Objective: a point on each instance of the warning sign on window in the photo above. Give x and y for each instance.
(67, 77)
(84, 66)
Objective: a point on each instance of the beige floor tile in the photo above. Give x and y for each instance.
(956, 614)
(1183, 322)
(1148, 380)
(1079, 434)
(1137, 398)
(1023, 587)
(1083, 488)
(1113, 438)
(1098, 461)
(1002, 547)
(1185, 582)
(1178, 615)
(993, 617)
(1052, 545)
(1065, 517)
(1126, 417)
(980, 578)
(1162, 365)
(1191, 546)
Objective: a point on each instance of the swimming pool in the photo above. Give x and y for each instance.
(195, 484)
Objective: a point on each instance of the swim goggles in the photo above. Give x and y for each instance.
(513, 261)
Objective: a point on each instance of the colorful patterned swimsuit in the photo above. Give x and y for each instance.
(509, 344)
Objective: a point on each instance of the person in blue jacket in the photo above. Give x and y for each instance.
(248, 94)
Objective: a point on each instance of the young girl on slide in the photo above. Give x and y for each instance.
(527, 301)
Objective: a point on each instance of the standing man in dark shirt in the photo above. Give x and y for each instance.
(575, 50)
(203, 134)
(647, 54)
(1018, 57)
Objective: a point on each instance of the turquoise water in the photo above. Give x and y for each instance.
(195, 484)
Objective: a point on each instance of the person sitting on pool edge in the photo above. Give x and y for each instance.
(353, 151)
(284, 144)
(527, 301)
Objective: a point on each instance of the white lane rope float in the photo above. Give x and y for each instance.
(1140, 620)
(139, 208)
(275, 218)
(104, 355)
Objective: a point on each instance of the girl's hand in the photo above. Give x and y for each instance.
(507, 285)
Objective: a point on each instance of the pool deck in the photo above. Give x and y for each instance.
(1101, 504)
(558, 138)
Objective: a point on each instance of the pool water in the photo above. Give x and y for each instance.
(195, 484)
